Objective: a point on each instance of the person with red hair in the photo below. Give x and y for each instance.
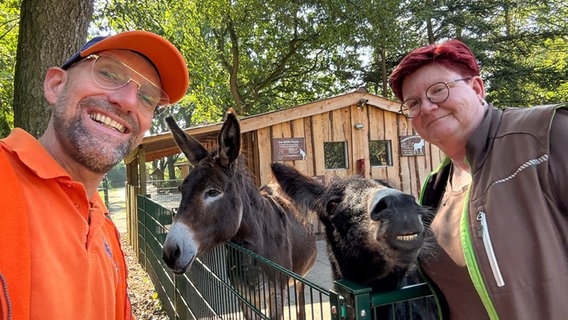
(501, 191)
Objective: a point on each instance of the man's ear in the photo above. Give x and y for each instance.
(53, 84)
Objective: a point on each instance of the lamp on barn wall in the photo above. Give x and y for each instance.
(362, 103)
(359, 126)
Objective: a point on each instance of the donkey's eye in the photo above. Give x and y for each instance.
(213, 192)
(331, 206)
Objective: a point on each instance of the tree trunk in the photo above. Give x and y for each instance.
(172, 168)
(50, 32)
(384, 72)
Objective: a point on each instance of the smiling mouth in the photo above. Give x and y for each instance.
(437, 119)
(407, 237)
(108, 122)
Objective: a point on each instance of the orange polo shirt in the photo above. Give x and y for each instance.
(60, 254)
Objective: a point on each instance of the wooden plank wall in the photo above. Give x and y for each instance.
(360, 138)
(406, 173)
(381, 128)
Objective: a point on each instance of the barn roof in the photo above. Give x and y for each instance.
(162, 145)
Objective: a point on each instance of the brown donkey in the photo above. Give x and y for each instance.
(221, 203)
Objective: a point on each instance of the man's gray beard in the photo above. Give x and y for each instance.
(94, 153)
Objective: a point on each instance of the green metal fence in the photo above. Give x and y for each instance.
(231, 282)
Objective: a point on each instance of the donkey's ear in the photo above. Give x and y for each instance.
(190, 146)
(229, 140)
(303, 190)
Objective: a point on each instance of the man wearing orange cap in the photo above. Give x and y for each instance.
(60, 255)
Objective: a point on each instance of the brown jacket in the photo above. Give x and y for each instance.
(518, 196)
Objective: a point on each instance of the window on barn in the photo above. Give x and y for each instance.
(380, 153)
(335, 155)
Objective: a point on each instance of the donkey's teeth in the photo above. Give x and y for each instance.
(408, 237)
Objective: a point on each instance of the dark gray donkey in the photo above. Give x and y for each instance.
(374, 232)
(221, 203)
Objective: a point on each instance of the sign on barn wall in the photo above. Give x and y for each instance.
(320, 178)
(411, 146)
(288, 149)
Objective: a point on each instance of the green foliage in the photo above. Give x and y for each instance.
(263, 55)
(380, 153)
(240, 57)
(521, 45)
(179, 22)
(335, 155)
(117, 175)
(9, 18)
(529, 63)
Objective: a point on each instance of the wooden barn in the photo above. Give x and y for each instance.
(353, 133)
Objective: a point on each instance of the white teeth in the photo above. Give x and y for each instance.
(108, 122)
(408, 237)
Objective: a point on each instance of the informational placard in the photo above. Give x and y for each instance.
(411, 146)
(284, 149)
(320, 179)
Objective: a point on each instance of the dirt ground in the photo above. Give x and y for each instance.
(143, 296)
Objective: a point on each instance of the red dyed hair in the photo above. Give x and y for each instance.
(452, 54)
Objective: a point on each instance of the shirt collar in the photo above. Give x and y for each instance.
(33, 155)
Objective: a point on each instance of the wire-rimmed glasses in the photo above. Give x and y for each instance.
(110, 73)
(439, 92)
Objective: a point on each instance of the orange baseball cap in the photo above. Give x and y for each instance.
(166, 58)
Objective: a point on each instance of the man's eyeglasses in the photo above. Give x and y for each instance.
(110, 73)
(439, 92)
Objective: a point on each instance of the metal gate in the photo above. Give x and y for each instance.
(207, 292)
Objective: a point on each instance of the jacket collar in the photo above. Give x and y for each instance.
(479, 144)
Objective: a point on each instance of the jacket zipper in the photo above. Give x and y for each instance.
(5, 290)
(484, 234)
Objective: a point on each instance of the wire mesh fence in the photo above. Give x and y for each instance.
(231, 282)
(164, 192)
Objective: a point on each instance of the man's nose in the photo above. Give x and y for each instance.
(126, 96)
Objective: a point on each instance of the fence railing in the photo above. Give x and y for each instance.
(231, 282)
(164, 192)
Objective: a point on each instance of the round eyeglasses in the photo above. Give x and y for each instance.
(437, 93)
(110, 73)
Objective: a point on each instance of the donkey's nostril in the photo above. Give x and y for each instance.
(177, 253)
(171, 254)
